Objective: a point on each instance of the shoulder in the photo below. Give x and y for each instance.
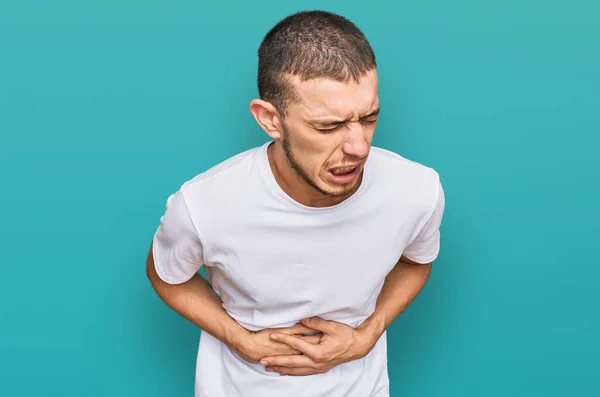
(222, 178)
(215, 191)
(412, 188)
(405, 183)
(401, 170)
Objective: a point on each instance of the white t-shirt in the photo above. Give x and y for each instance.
(274, 261)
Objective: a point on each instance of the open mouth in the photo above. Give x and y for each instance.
(343, 171)
(343, 175)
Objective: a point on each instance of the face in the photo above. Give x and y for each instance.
(327, 136)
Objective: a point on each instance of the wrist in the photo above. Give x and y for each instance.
(238, 340)
(369, 333)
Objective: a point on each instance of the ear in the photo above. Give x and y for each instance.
(267, 117)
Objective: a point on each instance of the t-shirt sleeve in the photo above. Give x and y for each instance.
(176, 247)
(426, 246)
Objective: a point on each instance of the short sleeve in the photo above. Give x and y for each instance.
(176, 247)
(426, 246)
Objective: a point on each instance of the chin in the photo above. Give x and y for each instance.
(338, 190)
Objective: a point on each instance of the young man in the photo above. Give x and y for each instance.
(312, 243)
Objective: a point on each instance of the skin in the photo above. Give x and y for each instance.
(340, 343)
(306, 147)
(196, 301)
(331, 126)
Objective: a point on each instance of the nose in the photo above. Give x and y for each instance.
(356, 144)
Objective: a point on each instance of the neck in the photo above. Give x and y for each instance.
(295, 186)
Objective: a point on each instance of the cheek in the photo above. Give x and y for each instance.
(313, 151)
(369, 130)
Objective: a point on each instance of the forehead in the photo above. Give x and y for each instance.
(324, 97)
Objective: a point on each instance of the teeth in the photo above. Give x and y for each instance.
(342, 170)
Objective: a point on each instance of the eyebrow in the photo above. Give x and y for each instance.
(330, 122)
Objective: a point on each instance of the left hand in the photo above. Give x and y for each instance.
(339, 343)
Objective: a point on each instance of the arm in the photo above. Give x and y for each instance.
(341, 343)
(172, 265)
(408, 277)
(401, 287)
(197, 302)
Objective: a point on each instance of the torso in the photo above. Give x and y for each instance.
(274, 261)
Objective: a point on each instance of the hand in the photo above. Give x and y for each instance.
(338, 344)
(255, 345)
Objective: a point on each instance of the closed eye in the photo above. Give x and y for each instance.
(337, 127)
(329, 130)
(369, 121)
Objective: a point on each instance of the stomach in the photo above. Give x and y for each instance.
(220, 372)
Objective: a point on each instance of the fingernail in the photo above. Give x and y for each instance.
(263, 362)
(273, 336)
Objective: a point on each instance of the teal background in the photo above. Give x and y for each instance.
(106, 107)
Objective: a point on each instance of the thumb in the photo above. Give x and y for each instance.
(318, 324)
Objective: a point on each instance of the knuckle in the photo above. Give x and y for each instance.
(324, 368)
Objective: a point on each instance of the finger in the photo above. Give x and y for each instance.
(280, 348)
(283, 349)
(297, 343)
(290, 361)
(314, 339)
(298, 329)
(302, 371)
(319, 324)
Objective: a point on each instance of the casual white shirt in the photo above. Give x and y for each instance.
(274, 261)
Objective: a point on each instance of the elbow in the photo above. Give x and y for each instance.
(150, 270)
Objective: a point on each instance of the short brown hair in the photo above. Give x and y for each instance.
(310, 44)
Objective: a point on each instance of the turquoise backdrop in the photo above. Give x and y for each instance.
(106, 107)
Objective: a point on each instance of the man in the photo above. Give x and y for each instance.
(312, 243)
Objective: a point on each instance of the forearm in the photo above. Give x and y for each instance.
(196, 301)
(401, 287)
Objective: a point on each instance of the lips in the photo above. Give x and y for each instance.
(344, 175)
(343, 170)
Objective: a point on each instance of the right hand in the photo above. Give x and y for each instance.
(254, 346)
